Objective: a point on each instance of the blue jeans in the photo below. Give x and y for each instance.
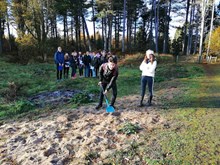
(146, 80)
(93, 73)
(87, 68)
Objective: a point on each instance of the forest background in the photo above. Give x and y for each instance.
(125, 26)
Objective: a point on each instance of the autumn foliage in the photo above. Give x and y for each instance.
(215, 42)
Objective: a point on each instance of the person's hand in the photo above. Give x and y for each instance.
(100, 83)
(105, 92)
(145, 58)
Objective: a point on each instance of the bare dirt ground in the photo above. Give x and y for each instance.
(69, 136)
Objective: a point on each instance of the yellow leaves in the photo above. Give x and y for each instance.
(215, 41)
(3, 8)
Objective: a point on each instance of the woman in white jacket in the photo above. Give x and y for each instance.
(148, 67)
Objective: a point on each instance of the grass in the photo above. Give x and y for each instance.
(194, 115)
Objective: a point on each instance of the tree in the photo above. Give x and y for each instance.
(3, 12)
(214, 42)
(124, 19)
(210, 33)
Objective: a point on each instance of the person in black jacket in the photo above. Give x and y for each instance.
(66, 65)
(73, 64)
(87, 61)
(108, 75)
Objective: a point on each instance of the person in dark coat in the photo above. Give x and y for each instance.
(73, 64)
(86, 62)
(80, 65)
(66, 65)
(108, 75)
(59, 61)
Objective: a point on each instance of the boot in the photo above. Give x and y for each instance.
(98, 106)
(150, 101)
(141, 102)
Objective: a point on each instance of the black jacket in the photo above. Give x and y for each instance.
(108, 76)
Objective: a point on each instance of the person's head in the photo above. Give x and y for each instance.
(151, 57)
(66, 56)
(103, 53)
(111, 63)
(149, 52)
(75, 54)
(80, 53)
(59, 49)
(87, 52)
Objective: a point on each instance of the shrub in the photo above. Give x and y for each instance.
(81, 98)
(129, 128)
(15, 108)
(26, 48)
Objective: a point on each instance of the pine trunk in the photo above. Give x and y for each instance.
(185, 28)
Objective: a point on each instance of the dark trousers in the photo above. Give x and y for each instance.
(146, 80)
(97, 71)
(66, 72)
(73, 73)
(80, 70)
(59, 73)
(114, 93)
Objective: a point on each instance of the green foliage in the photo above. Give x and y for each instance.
(81, 98)
(129, 128)
(177, 41)
(18, 107)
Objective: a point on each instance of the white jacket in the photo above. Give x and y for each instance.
(148, 69)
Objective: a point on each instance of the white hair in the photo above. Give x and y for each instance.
(148, 52)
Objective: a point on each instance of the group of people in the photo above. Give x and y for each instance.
(87, 64)
(105, 67)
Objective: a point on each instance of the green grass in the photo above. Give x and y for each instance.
(194, 114)
(19, 82)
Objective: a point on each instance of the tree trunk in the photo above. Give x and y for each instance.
(116, 30)
(1, 33)
(84, 36)
(76, 32)
(166, 35)
(197, 18)
(93, 15)
(135, 30)
(105, 33)
(185, 28)
(9, 34)
(123, 35)
(189, 43)
(56, 31)
(118, 36)
(72, 25)
(202, 30)
(79, 33)
(156, 13)
(64, 30)
(110, 33)
(87, 32)
(67, 31)
(211, 28)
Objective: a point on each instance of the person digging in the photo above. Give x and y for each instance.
(108, 75)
